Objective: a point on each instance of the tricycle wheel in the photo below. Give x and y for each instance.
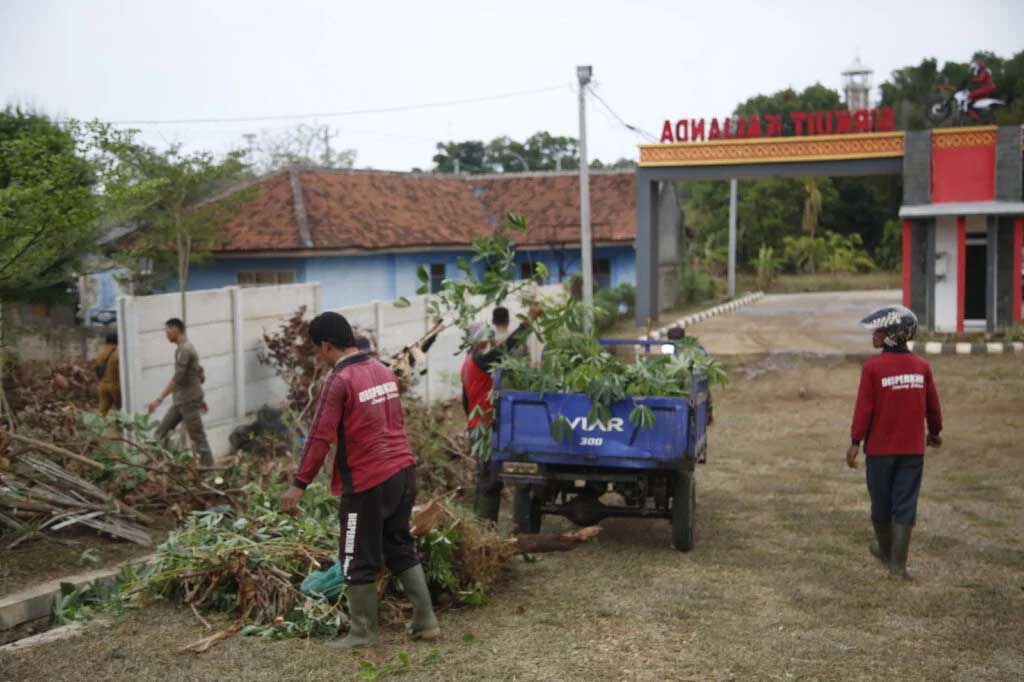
(684, 511)
(526, 515)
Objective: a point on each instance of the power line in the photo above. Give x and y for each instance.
(340, 114)
(639, 131)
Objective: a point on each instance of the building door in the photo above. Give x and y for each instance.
(974, 294)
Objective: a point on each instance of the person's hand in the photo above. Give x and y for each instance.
(935, 440)
(851, 456)
(152, 406)
(290, 500)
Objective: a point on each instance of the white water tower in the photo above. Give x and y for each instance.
(857, 85)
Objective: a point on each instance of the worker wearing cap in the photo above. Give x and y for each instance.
(374, 472)
(477, 384)
(897, 396)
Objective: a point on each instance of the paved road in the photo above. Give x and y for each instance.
(822, 323)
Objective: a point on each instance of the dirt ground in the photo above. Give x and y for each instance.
(779, 587)
(42, 559)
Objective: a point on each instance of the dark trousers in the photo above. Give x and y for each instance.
(488, 477)
(894, 482)
(375, 529)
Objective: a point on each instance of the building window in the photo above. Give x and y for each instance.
(263, 278)
(527, 270)
(436, 277)
(602, 273)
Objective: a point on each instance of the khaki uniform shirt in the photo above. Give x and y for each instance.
(188, 388)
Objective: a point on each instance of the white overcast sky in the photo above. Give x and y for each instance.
(143, 59)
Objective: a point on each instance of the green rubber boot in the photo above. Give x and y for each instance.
(362, 614)
(881, 546)
(487, 506)
(900, 550)
(424, 625)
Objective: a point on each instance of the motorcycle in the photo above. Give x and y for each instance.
(954, 102)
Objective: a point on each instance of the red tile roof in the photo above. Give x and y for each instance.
(378, 211)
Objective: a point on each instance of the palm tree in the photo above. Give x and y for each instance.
(812, 209)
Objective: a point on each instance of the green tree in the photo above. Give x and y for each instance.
(57, 181)
(907, 89)
(815, 97)
(470, 156)
(303, 145)
(193, 204)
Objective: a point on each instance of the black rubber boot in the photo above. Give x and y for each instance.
(424, 624)
(881, 547)
(900, 550)
(362, 614)
(487, 506)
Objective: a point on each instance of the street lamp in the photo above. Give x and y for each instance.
(583, 73)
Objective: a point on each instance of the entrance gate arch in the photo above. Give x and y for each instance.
(949, 175)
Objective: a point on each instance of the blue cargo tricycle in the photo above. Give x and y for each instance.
(652, 469)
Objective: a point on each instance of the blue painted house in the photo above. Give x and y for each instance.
(363, 234)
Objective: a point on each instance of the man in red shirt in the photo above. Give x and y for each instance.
(981, 83)
(374, 473)
(896, 397)
(477, 384)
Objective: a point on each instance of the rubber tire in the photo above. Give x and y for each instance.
(684, 511)
(526, 514)
(945, 105)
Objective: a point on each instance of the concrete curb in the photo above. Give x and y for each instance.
(721, 309)
(33, 603)
(991, 348)
(57, 634)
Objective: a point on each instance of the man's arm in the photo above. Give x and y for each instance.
(168, 389)
(864, 409)
(933, 411)
(322, 433)
(862, 414)
(485, 360)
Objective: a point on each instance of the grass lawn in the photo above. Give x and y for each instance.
(779, 587)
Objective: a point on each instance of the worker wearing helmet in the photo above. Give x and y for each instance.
(982, 85)
(897, 396)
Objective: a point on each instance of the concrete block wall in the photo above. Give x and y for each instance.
(227, 326)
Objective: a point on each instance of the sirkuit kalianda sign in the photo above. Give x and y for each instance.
(804, 123)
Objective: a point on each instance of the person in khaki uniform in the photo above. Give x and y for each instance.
(109, 373)
(186, 387)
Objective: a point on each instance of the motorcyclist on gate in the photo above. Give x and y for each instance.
(982, 86)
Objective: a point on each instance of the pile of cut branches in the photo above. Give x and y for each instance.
(49, 398)
(114, 488)
(251, 562)
(575, 362)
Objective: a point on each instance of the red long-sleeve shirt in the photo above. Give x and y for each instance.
(896, 396)
(359, 409)
(983, 85)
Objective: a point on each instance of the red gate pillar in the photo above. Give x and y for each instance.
(961, 270)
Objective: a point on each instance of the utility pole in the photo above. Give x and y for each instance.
(583, 74)
(732, 238)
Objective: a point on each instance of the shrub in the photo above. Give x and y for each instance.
(805, 253)
(767, 265)
(847, 254)
(696, 285)
(890, 252)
